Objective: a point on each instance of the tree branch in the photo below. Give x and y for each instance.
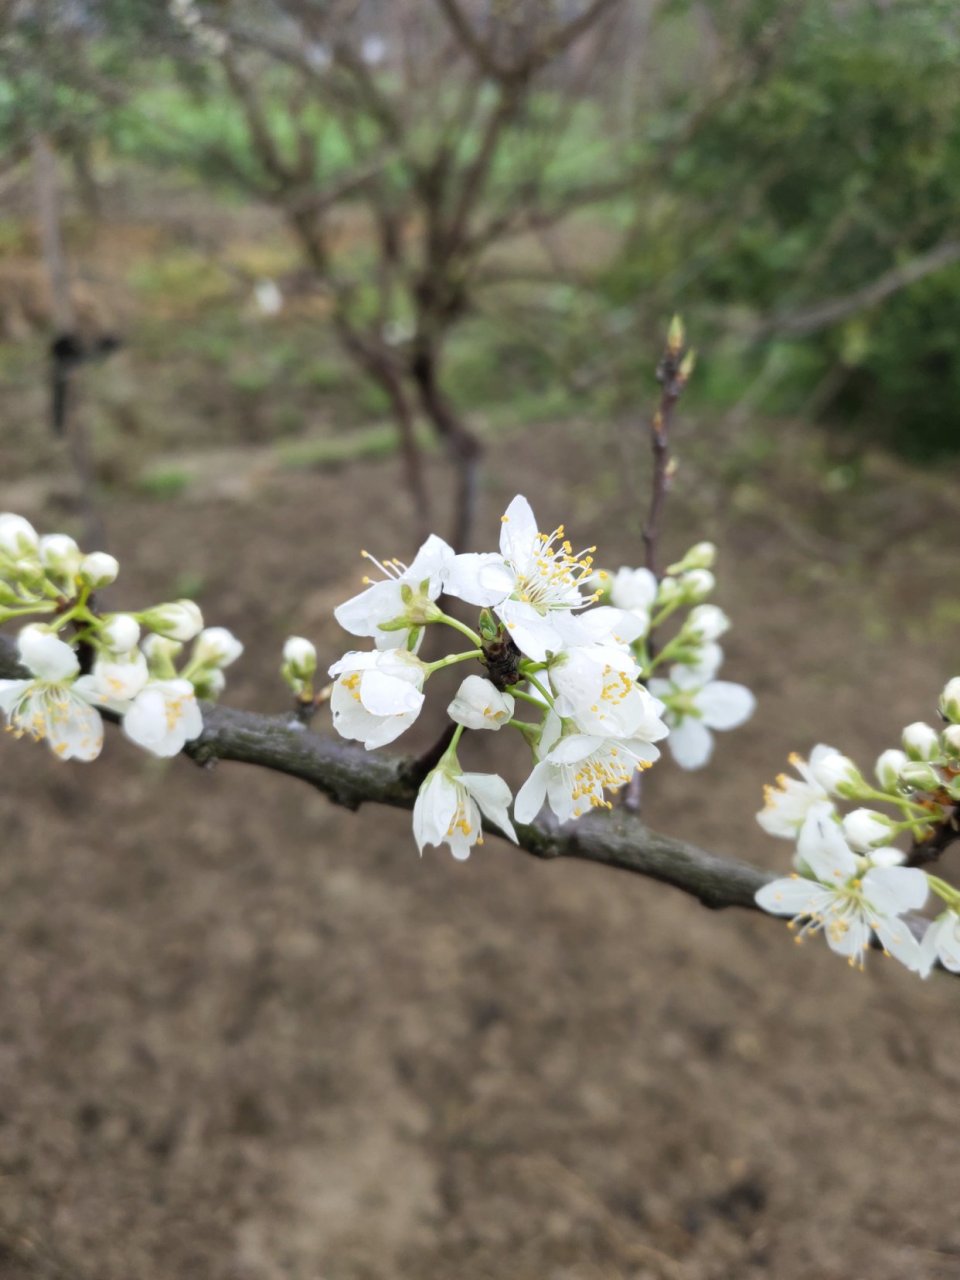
(351, 776)
(831, 310)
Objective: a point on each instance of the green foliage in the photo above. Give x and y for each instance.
(809, 182)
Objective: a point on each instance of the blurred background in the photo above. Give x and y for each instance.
(283, 279)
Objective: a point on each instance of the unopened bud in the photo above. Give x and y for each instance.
(701, 556)
(864, 828)
(697, 584)
(209, 683)
(950, 700)
(181, 620)
(120, 633)
(60, 556)
(836, 773)
(216, 647)
(489, 626)
(920, 741)
(919, 776)
(18, 538)
(888, 767)
(676, 336)
(301, 657)
(706, 622)
(161, 654)
(98, 570)
(687, 365)
(950, 740)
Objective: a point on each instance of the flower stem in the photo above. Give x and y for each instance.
(449, 661)
(461, 627)
(532, 679)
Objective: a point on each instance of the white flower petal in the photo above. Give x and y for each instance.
(690, 743)
(893, 890)
(46, 655)
(793, 896)
(518, 531)
(725, 705)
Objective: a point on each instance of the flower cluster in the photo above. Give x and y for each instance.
(850, 881)
(130, 658)
(695, 701)
(563, 644)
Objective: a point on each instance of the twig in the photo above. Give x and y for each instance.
(673, 371)
(351, 776)
(948, 833)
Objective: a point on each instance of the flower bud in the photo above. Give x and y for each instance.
(706, 622)
(17, 536)
(697, 584)
(479, 704)
(836, 773)
(60, 556)
(120, 633)
(161, 654)
(701, 556)
(216, 647)
(864, 828)
(209, 683)
(919, 776)
(98, 570)
(920, 742)
(888, 766)
(950, 740)
(300, 656)
(181, 620)
(669, 592)
(950, 700)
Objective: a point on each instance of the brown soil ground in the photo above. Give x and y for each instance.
(246, 1036)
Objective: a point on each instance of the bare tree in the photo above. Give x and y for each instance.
(453, 116)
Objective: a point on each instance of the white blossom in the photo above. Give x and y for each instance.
(635, 590)
(791, 802)
(50, 705)
(376, 696)
(449, 806)
(115, 679)
(847, 902)
(534, 581)
(479, 704)
(697, 704)
(163, 717)
(576, 770)
(597, 687)
(941, 942)
(404, 593)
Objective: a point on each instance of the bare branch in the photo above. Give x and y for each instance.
(823, 314)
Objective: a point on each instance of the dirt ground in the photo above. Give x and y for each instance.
(246, 1036)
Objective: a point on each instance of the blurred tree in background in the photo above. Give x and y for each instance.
(788, 174)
